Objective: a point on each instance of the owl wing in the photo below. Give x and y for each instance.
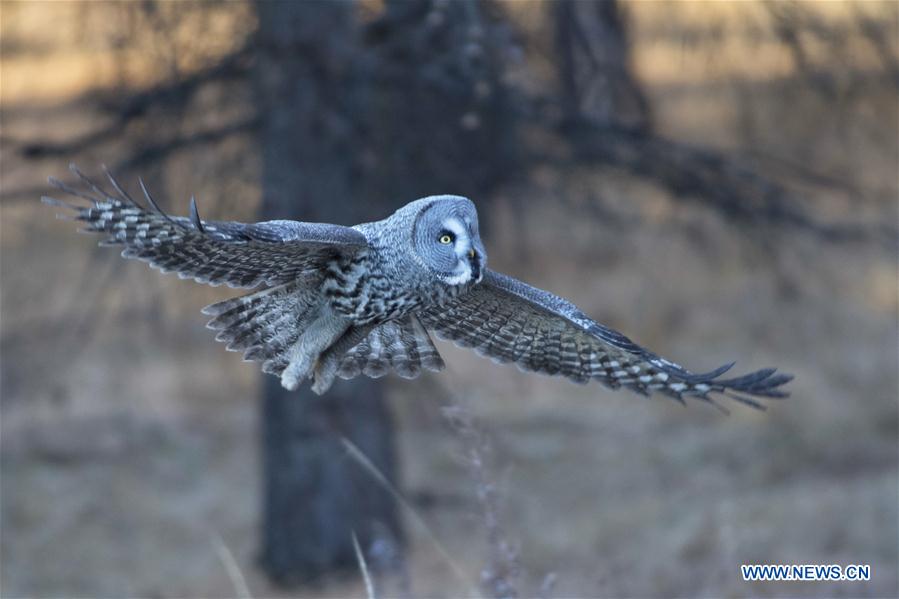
(213, 252)
(510, 321)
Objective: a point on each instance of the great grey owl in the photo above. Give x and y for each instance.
(344, 301)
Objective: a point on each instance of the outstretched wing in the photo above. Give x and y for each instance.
(213, 252)
(510, 321)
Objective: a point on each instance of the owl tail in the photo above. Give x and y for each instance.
(266, 324)
(403, 346)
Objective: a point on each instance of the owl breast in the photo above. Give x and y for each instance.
(360, 289)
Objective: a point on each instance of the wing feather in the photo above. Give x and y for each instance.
(510, 321)
(402, 345)
(213, 252)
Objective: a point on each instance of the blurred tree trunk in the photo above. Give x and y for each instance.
(593, 58)
(314, 496)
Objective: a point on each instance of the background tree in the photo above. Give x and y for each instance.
(354, 122)
(314, 498)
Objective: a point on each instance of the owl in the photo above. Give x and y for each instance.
(332, 301)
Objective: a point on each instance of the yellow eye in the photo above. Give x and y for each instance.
(445, 239)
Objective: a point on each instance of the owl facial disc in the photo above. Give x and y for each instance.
(447, 241)
(465, 253)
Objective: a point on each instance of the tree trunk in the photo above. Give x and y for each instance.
(315, 497)
(593, 55)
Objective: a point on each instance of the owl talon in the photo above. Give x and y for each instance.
(289, 380)
(321, 385)
(324, 374)
(296, 372)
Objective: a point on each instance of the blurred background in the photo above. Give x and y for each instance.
(716, 180)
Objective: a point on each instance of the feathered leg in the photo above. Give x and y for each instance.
(329, 362)
(284, 327)
(304, 355)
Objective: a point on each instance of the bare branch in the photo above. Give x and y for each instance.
(722, 182)
(149, 154)
(232, 66)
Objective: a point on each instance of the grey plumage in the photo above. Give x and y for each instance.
(402, 345)
(510, 321)
(345, 301)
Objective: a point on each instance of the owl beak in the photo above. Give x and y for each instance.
(475, 262)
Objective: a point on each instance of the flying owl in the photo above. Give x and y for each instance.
(339, 301)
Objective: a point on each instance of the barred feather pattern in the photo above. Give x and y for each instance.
(509, 321)
(403, 346)
(266, 324)
(326, 286)
(212, 252)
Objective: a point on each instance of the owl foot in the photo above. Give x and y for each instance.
(296, 372)
(322, 383)
(289, 381)
(328, 363)
(325, 372)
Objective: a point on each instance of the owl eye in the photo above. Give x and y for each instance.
(445, 238)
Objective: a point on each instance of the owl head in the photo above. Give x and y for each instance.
(446, 240)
